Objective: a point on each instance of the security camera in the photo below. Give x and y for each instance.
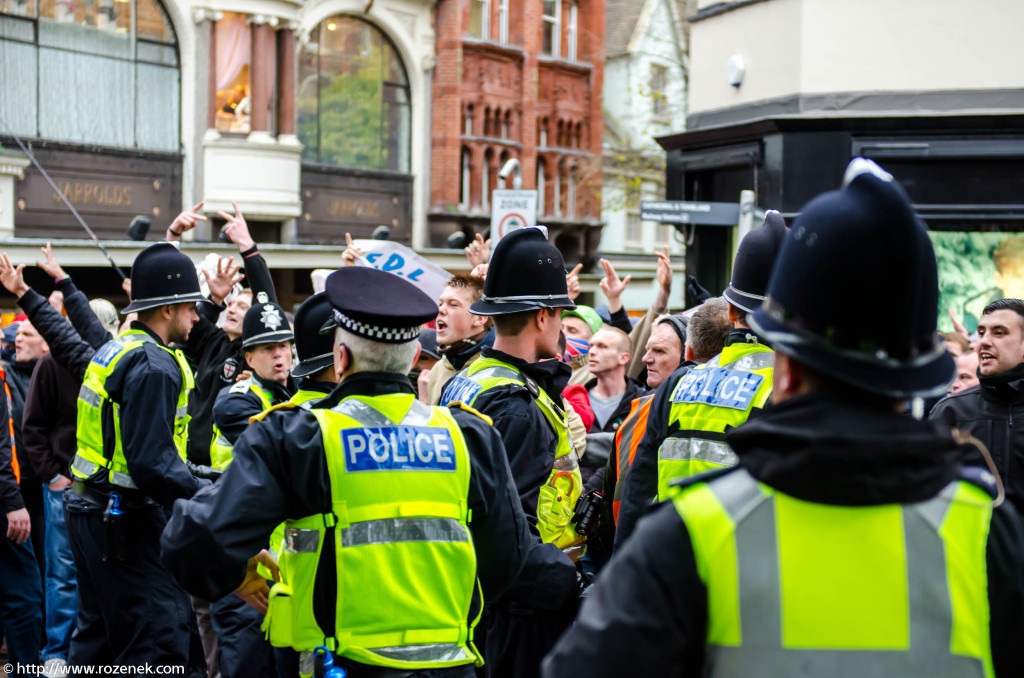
(510, 166)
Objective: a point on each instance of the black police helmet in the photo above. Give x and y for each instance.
(525, 273)
(265, 323)
(316, 350)
(855, 290)
(755, 258)
(161, 275)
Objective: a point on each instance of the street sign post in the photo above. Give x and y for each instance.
(682, 212)
(511, 210)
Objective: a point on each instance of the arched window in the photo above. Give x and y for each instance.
(104, 74)
(464, 185)
(543, 134)
(485, 180)
(353, 104)
(468, 126)
(487, 121)
(506, 130)
(541, 186)
(560, 139)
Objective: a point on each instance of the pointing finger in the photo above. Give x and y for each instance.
(576, 269)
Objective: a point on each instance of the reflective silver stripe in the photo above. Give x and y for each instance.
(394, 530)
(761, 653)
(301, 541)
(697, 449)
(122, 480)
(126, 339)
(181, 412)
(761, 360)
(89, 396)
(418, 415)
(496, 372)
(223, 442)
(442, 652)
(84, 466)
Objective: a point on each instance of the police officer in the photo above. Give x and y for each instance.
(849, 540)
(518, 384)
(315, 349)
(132, 439)
(267, 350)
(267, 337)
(396, 511)
(694, 408)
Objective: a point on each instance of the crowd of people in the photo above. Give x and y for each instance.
(503, 482)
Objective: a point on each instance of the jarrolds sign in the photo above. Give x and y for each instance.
(108, 190)
(337, 201)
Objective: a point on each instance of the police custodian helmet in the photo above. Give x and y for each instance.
(755, 259)
(855, 290)
(161, 276)
(316, 350)
(265, 323)
(526, 273)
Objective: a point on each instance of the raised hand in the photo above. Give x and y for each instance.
(352, 254)
(13, 277)
(185, 221)
(664, 276)
(479, 251)
(51, 266)
(236, 229)
(221, 281)
(613, 286)
(572, 281)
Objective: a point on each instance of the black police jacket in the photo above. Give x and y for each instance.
(10, 493)
(279, 471)
(647, 614)
(993, 412)
(234, 408)
(66, 345)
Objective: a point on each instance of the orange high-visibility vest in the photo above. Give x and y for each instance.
(627, 439)
(10, 426)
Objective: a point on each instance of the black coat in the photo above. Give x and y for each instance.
(216, 359)
(988, 412)
(279, 471)
(50, 419)
(647, 615)
(10, 493)
(234, 408)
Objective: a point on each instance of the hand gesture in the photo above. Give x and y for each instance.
(352, 254)
(958, 326)
(664, 276)
(51, 266)
(479, 271)
(421, 386)
(479, 251)
(254, 588)
(221, 281)
(185, 221)
(11, 277)
(19, 526)
(236, 229)
(611, 285)
(126, 285)
(572, 281)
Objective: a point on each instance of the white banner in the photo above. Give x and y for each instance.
(399, 260)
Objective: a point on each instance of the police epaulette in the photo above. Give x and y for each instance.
(981, 478)
(457, 405)
(280, 406)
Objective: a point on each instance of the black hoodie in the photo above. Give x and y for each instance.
(648, 613)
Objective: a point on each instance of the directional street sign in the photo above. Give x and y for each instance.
(511, 210)
(680, 212)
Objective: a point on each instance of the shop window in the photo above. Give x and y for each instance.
(551, 39)
(234, 63)
(354, 107)
(480, 18)
(57, 57)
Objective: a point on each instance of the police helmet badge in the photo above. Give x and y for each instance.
(271, 318)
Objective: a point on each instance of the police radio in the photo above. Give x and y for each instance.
(588, 512)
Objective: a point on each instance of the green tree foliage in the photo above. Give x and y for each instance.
(966, 275)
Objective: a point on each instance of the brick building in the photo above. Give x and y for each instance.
(519, 80)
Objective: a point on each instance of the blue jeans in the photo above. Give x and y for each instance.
(61, 585)
(20, 599)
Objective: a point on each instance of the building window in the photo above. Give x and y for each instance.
(96, 73)
(570, 194)
(634, 234)
(570, 49)
(659, 91)
(543, 135)
(662, 234)
(506, 126)
(541, 186)
(353, 106)
(557, 198)
(464, 186)
(468, 127)
(551, 40)
(480, 18)
(503, 21)
(233, 106)
(485, 181)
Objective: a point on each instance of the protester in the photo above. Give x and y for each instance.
(966, 372)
